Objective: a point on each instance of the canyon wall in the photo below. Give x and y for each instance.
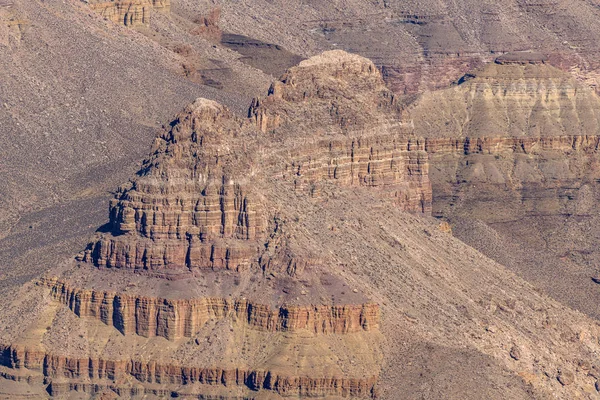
(84, 369)
(514, 164)
(396, 167)
(178, 318)
(521, 130)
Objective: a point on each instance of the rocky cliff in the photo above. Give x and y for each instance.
(518, 95)
(205, 211)
(197, 203)
(80, 373)
(362, 143)
(178, 318)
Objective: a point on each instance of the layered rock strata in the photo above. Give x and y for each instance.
(514, 164)
(519, 95)
(396, 166)
(86, 369)
(207, 204)
(524, 145)
(178, 318)
(196, 205)
(361, 113)
(129, 12)
(519, 126)
(191, 207)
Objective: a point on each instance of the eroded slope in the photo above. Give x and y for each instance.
(514, 167)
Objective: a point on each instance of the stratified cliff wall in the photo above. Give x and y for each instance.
(178, 318)
(79, 372)
(516, 138)
(196, 204)
(395, 166)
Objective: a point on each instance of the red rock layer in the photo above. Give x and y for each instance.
(166, 210)
(169, 255)
(56, 366)
(177, 318)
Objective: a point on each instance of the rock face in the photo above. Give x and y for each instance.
(358, 105)
(190, 208)
(80, 371)
(515, 146)
(197, 204)
(178, 318)
(129, 12)
(516, 126)
(515, 97)
(396, 167)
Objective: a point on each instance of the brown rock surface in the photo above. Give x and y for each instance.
(71, 134)
(514, 167)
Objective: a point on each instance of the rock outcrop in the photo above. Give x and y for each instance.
(196, 203)
(80, 372)
(129, 12)
(208, 25)
(178, 318)
(206, 212)
(348, 93)
(191, 206)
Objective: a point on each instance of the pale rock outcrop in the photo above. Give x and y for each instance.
(129, 12)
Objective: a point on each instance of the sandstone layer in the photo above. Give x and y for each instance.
(178, 318)
(84, 371)
(128, 12)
